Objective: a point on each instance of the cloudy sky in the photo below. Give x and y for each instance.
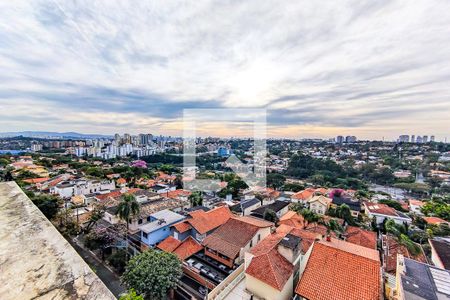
(321, 68)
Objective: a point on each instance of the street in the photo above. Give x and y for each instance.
(110, 279)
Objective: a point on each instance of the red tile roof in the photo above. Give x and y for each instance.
(434, 220)
(319, 229)
(271, 268)
(416, 202)
(293, 219)
(204, 222)
(183, 250)
(36, 180)
(178, 193)
(182, 226)
(187, 248)
(235, 234)
(304, 195)
(169, 244)
(341, 271)
(121, 181)
(393, 248)
(382, 209)
(361, 237)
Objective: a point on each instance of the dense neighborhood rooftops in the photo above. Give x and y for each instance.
(392, 248)
(169, 244)
(361, 237)
(423, 281)
(441, 247)
(340, 270)
(383, 209)
(38, 262)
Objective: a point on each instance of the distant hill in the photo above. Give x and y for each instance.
(49, 134)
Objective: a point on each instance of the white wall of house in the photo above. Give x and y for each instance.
(265, 291)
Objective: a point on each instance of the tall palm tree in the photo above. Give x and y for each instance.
(127, 208)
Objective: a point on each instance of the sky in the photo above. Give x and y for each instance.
(372, 69)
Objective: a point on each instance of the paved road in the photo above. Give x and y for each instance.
(110, 279)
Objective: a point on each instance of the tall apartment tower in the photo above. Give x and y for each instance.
(339, 139)
(425, 139)
(432, 138)
(413, 138)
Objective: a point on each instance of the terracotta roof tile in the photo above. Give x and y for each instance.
(229, 238)
(169, 244)
(271, 268)
(293, 219)
(393, 248)
(434, 220)
(361, 237)
(204, 222)
(187, 248)
(182, 226)
(340, 271)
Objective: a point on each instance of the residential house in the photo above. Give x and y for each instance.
(435, 221)
(245, 207)
(228, 243)
(339, 270)
(391, 248)
(303, 196)
(420, 281)
(279, 207)
(291, 218)
(183, 249)
(354, 205)
(440, 252)
(200, 224)
(163, 188)
(158, 227)
(67, 189)
(361, 237)
(319, 204)
(381, 212)
(415, 206)
(271, 265)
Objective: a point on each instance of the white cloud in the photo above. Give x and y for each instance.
(348, 64)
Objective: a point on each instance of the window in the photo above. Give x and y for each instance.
(251, 243)
(259, 237)
(145, 235)
(140, 221)
(148, 218)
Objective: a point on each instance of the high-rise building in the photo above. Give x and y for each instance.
(117, 138)
(425, 139)
(419, 139)
(339, 139)
(432, 138)
(350, 139)
(413, 138)
(403, 138)
(126, 138)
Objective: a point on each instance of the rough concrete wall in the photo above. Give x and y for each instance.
(36, 262)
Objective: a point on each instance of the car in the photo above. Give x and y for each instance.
(202, 290)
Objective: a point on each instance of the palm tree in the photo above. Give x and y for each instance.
(127, 208)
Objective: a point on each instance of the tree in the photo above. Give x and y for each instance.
(275, 180)
(47, 204)
(270, 215)
(309, 215)
(437, 208)
(196, 199)
(343, 211)
(127, 208)
(153, 273)
(131, 295)
(97, 214)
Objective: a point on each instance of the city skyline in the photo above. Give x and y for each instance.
(373, 70)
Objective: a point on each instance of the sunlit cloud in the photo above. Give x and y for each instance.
(372, 69)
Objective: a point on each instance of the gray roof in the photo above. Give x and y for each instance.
(244, 204)
(37, 262)
(163, 218)
(422, 281)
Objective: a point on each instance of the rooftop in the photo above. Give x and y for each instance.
(422, 281)
(163, 218)
(340, 270)
(361, 237)
(442, 248)
(36, 261)
(275, 206)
